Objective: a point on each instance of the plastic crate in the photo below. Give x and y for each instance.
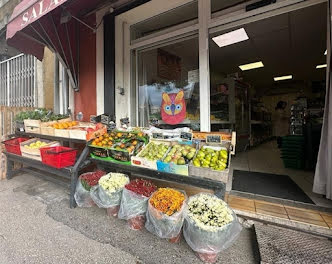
(13, 145)
(58, 157)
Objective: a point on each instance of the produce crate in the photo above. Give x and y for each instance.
(35, 153)
(124, 155)
(100, 152)
(145, 163)
(58, 157)
(31, 129)
(77, 133)
(32, 123)
(61, 133)
(13, 145)
(172, 167)
(209, 172)
(49, 131)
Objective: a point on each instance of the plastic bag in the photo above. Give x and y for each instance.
(113, 211)
(137, 222)
(82, 196)
(209, 243)
(104, 199)
(162, 225)
(132, 204)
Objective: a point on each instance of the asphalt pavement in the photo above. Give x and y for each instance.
(37, 226)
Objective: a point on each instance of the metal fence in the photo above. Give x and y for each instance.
(18, 82)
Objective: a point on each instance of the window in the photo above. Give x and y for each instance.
(168, 85)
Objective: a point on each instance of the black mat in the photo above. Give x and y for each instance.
(279, 186)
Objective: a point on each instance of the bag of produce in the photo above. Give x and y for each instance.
(84, 184)
(107, 194)
(165, 213)
(134, 202)
(210, 226)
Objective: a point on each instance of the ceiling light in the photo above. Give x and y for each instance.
(325, 52)
(231, 37)
(321, 66)
(251, 66)
(281, 78)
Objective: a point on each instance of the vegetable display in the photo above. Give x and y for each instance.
(209, 212)
(91, 179)
(113, 182)
(167, 200)
(211, 158)
(142, 187)
(39, 114)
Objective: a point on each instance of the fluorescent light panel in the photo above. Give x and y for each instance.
(281, 78)
(251, 66)
(321, 66)
(231, 37)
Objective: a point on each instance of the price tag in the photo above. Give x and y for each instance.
(124, 121)
(157, 135)
(111, 125)
(213, 139)
(93, 119)
(106, 119)
(186, 136)
(154, 122)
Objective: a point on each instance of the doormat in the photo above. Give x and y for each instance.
(273, 185)
(285, 246)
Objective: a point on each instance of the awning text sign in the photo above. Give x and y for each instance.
(38, 10)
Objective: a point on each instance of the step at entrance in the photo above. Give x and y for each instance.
(285, 246)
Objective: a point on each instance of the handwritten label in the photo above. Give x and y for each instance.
(213, 139)
(186, 136)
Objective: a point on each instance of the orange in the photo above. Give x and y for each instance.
(100, 138)
(99, 144)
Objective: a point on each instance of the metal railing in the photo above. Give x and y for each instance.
(18, 82)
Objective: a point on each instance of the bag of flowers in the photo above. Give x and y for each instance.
(109, 191)
(165, 213)
(210, 226)
(134, 202)
(84, 184)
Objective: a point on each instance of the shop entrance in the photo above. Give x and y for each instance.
(268, 84)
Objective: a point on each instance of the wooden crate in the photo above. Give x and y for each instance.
(49, 131)
(35, 130)
(36, 152)
(61, 133)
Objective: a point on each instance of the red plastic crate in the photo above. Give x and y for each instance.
(13, 145)
(58, 157)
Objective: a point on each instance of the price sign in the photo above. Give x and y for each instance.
(213, 139)
(124, 121)
(106, 119)
(157, 135)
(111, 125)
(186, 136)
(93, 119)
(154, 122)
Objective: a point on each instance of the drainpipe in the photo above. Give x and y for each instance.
(65, 90)
(56, 86)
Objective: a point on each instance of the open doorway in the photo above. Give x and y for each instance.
(268, 84)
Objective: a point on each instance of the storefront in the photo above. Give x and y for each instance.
(201, 64)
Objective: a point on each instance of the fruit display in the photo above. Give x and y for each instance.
(154, 151)
(180, 154)
(65, 125)
(104, 141)
(36, 145)
(208, 157)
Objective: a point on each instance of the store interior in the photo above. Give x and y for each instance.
(266, 82)
(260, 108)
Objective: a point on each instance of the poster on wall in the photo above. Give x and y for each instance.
(168, 66)
(173, 108)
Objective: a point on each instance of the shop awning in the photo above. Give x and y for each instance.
(35, 24)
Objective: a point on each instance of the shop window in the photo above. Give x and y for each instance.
(176, 16)
(168, 85)
(217, 5)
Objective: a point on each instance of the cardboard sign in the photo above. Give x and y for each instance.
(186, 136)
(157, 135)
(93, 119)
(106, 119)
(213, 139)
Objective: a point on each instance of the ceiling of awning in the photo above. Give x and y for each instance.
(35, 24)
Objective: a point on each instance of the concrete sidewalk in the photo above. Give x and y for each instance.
(37, 226)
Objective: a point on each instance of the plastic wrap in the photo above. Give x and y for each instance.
(137, 222)
(104, 199)
(113, 211)
(82, 196)
(208, 244)
(132, 205)
(162, 225)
